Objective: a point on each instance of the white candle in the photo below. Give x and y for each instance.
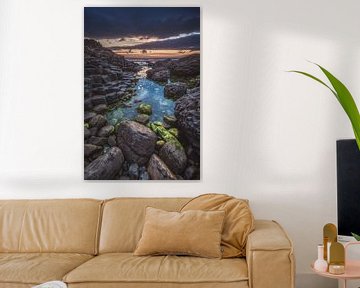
(328, 252)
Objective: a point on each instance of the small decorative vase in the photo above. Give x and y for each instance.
(320, 264)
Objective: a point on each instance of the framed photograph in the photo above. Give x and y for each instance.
(142, 93)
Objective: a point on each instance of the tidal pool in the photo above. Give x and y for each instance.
(148, 92)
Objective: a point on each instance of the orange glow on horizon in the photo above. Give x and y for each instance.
(154, 53)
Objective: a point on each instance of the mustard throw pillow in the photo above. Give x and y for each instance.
(196, 233)
(239, 220)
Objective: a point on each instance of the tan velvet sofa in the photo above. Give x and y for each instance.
(89, 243)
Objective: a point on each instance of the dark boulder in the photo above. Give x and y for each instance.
(105, 167)
(90, 150)
(191, 173)
(133, 171)
(143, 174)
(142, 119)
(170, 120)
(88, 116)
(106, 131)
(93, 131)
(111, 98)
(88, 105)
(174, 157)
(100, 108)
(98, 141)
(112, 140)
(136, 141)
(188, 66)
(175, 90)
(158, 74)
(158, 170)
(187, 113)
(98, 121)
(87, 133)
(144, 108)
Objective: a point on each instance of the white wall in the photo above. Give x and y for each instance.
(267, 135)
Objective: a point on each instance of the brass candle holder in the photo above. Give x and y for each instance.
(329, 236)
(334, 252)
(337, 258)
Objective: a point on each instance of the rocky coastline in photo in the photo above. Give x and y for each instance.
(136, 147)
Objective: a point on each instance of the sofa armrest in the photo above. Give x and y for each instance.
(269, 256)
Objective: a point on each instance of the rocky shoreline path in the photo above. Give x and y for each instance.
(135, 148)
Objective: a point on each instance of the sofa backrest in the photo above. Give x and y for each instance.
(123, 220)
(67, 226)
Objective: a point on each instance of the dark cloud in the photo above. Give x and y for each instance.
(118, 22)
(190, 42)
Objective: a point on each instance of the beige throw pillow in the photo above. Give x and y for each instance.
(194, 232)
(239, 221)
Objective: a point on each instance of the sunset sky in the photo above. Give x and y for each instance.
(144, 27)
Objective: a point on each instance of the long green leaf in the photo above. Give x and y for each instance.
(347, 102)
(344, 97)
(357, 237)
(316, 79)
(357, 137)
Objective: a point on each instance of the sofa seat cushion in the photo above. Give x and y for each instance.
(127, 268)
(36, 268)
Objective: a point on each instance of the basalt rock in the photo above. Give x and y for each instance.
(143, 174)
(174, 157)
(105, 167)
(144, 108)
(158, 74)
(191, 173)
(175, 90)
(98, 121)
(87, 133)
(99, 141)
(98, 100)
(186, 67)
(111, 98)
(187, 113)
(106, 131)
(142, 119)
(134, 171)
(88, 116)
(90, 150)
(112, 140)
(100, 108)
(170, 120)
(93, 131)
(136, 141)
(88, 105)
(158, 170)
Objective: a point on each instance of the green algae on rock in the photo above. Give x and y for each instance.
(144, 109)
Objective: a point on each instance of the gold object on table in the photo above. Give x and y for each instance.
(330, 236)
(337, 258)
(336, 269)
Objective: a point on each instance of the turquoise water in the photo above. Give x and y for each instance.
(148, 92)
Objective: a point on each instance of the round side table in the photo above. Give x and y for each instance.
(352, 269)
